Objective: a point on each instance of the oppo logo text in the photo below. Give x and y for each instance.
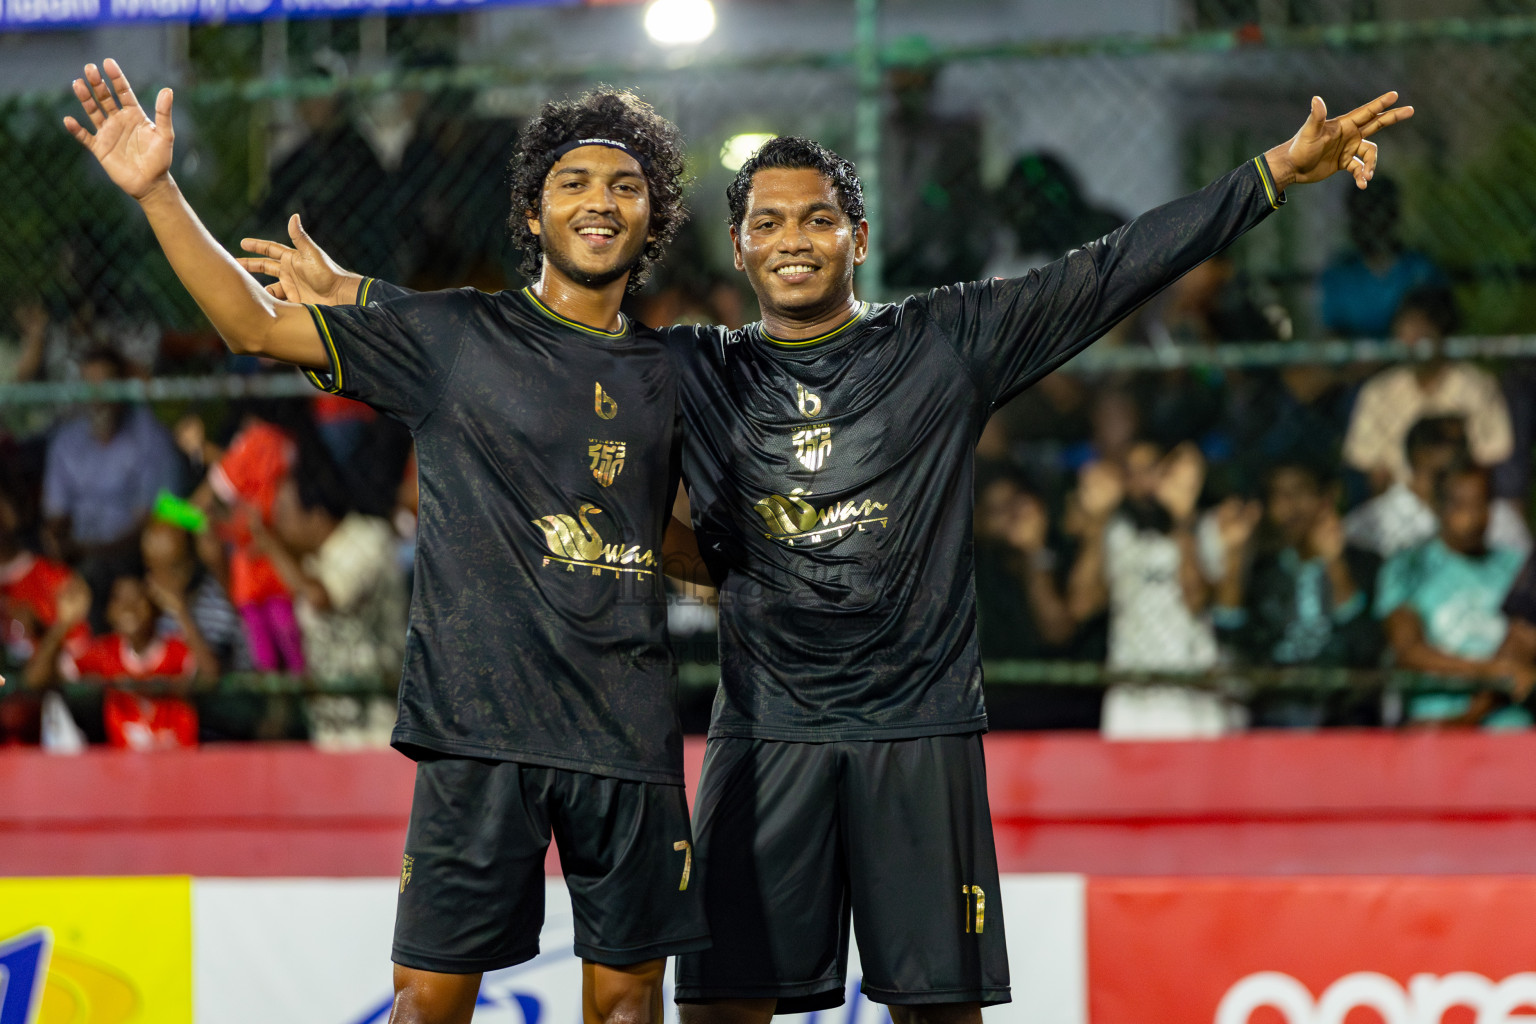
(1426, 999)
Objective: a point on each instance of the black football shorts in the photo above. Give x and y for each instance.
(472, 882)
(794, 836)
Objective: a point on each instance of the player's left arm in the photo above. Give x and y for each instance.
(307, 273)
(1014, 332)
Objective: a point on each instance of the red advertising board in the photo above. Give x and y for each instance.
(1354, 950)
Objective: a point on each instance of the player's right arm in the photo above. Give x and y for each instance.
(136, 154)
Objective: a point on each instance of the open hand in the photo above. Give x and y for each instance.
(133, 150)
(31, 319)
(1100, 489)
(1326, 538)
(1181, 478)
(1518, 675)
(167, 595)
(261, 536)
(1327, 145)
(1236, 519)
(304, 271)
(73, 604)
(1028, 524)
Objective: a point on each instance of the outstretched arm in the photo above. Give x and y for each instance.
(1013, 332)
(136, 154)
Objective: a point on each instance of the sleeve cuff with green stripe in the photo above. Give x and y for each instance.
(1274, 195)
(363, 289)
(330, 380)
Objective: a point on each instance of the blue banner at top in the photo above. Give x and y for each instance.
(16, 15)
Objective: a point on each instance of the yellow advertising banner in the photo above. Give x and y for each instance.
(96, 950)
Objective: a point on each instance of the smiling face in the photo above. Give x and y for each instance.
(129, 611)
(1295, 501)
(594, 216)
(1464, 500)
(796, 244)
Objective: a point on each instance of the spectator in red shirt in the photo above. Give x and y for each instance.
(245, 483)
(30, 586)
(133, 652)
(29, 590)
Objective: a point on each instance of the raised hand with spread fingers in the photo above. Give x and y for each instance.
(304, 271)
(135, 151)
(1324, 146)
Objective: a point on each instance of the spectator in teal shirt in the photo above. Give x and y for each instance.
(1441, 603)
(1359, 293)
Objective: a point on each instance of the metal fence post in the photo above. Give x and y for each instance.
(866, 55)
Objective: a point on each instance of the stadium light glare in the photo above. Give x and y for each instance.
(736, 149)
(679, 22)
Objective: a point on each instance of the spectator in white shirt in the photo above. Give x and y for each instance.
(1402, 516)
(1396, 398)
(1153, 563)
(350, 599)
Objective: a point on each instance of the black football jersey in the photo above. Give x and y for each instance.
(547, 454)
(831, 478)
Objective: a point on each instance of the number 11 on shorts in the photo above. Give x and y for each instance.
(973, 894)
(686, 849)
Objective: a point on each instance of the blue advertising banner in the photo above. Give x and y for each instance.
(18, 15)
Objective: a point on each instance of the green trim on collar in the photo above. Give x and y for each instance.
(539, 305)
(860, 315)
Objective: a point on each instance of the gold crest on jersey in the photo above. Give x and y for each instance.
(813, 445)
(607, 459)
(796, 522)
(606, 407)
(574, 541)
(406, 865)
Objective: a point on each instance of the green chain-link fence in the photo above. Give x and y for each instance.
(991, 158)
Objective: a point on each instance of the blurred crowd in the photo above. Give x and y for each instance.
(1308, 517)
(156, 566)
(165, 561)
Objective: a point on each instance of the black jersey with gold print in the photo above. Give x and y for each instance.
(547, 455)
(831, 478)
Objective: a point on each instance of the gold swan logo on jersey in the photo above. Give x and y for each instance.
(573, 541)
(606, 407)
(786, 516)
(795, 521)
(573, 536)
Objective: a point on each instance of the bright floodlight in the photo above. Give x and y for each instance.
(738, 148)
(675, 22)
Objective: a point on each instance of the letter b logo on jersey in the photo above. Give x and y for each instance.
(810, 404)
(607, 408)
